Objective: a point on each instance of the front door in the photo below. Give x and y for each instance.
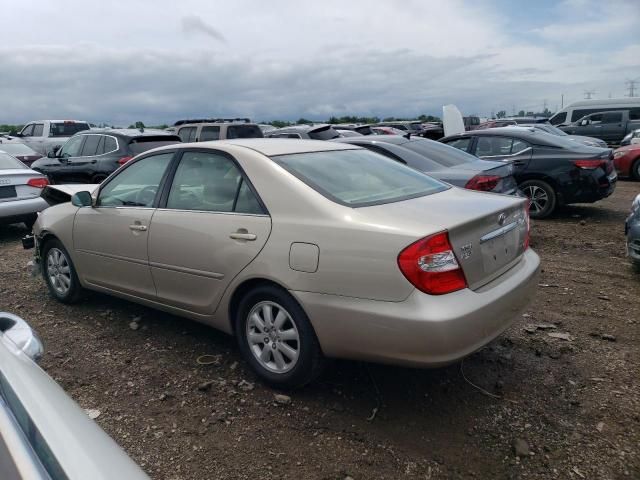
(110, 238)
(60, 168)
(211, 226)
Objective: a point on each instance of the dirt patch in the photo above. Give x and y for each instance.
(568, 406)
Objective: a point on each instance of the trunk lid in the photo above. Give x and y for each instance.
(487, 231)
(13, 184)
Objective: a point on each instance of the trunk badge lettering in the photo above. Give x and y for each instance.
(466, 251)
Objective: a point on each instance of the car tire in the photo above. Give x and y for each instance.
(542, 196)
(635, 169)
(59, 272)
(281, 346)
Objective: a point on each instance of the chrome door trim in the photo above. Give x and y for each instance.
(190, 271)
(498, 233)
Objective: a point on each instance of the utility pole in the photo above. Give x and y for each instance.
(632, 87)
(588, 94)
(544, 105)
(562, 100)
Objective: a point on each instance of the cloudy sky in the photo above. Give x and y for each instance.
(161, 60)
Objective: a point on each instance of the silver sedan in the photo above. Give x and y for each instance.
(20, 189)
(301, 249)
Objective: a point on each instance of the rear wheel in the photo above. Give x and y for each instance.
(59, 272)
(635, 169)
(542, 196)
(277, 339)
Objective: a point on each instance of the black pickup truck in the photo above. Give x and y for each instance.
(608, 126)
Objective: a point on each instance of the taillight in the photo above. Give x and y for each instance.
(484, 183)
(527, 219)
(590, 164)
(124, 160)
(38, 182)
(431, 266)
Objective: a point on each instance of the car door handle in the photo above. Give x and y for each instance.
(138, 227)
(243, 236)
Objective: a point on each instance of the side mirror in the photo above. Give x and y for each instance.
(584, 123)
(21, 335)
(51, 154)
(82, 199)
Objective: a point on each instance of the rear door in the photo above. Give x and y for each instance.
(80, 169)
(110, 238)
(211, 226)
(612, 128)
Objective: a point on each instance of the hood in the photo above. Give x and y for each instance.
(452, 120)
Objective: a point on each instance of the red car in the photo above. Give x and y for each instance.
(627, 161)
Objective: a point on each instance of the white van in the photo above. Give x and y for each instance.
(577, 110)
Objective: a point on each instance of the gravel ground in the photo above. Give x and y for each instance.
(556, 396)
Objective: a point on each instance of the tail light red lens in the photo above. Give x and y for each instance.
(484, 183)
(590, 164)
(431, 266)
(124, 160)
(38, 182)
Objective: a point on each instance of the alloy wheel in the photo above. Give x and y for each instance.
(58, 271)
(538, 196)
(273, 337)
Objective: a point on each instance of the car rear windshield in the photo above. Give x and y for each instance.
(17, 149)
(7, 162)
(358, 178)
(323, 133)
(244, 131)
(66, 129)
(445, 155)
(142, 144)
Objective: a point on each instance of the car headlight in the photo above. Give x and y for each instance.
(619, 154)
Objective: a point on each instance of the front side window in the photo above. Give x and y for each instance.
(38, 129)
(72, 147)
(358, 178)
(206, 181)
(137, 184)
(27, 131)
(613, 117)
(90, 146)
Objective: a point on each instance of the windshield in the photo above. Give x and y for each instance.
(324, 133)
(445, 155)
(358, 178)
(7, 162)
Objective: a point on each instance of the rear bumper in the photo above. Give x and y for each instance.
(423, 330)
(13, 211)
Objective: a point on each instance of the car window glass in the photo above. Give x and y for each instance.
(187, 134)
(247, 201)
(110, 144)
(66, 129)
(518, 146)
(558, 118)
(244, 131)
(72, 147)
(358, 178)
(493, 146)
(634, 114)
(291, 135)
(461, 144)
(209, 133)
(90, 145)
(205, 181)
(38, 129)
(613, 117)
(595, 118)
(27, 131)
(137, 184)
(100, 147)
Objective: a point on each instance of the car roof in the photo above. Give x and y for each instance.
(302, 128)
(57, 121)
(268, 146)
(127, 132)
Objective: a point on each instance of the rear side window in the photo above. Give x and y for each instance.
(440, 153)
(110, 144)
(142, 144)
(244, 131)
(67, 129)
(461, 144)
(187, 134)
(38, 129)
(90, 145)
(493, 146)
(358, 178)
(209, 133)
(613, 117)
